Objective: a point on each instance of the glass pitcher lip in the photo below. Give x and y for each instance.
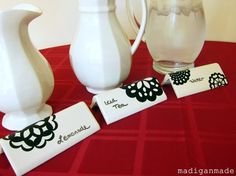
(97, 5)
(185, 7)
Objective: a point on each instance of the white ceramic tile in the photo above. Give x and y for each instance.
(45, 139)
(122, 102)
(195, 80)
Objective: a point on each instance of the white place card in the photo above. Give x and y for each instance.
(122, 102)
(195, 80)
(47, 138)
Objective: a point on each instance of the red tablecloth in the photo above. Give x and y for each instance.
(197, 131)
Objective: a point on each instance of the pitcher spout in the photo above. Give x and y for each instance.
(14, 25)
(14, 33)
(29, 10)
(12, 18)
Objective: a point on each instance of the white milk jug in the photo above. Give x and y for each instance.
(26, 78)
(101, 53)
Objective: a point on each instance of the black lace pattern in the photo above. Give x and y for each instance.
(217, 80)
(34, 136)
(146, 90)
(180, 77)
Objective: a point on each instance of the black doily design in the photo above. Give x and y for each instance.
(180, 77)
(147, 89)
(217, 80)
(34, 136)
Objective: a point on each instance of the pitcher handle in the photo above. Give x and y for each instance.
(142, 27)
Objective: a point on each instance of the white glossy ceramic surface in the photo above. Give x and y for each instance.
(122, 102)
(196, 80)
(26, 77)
(56, 134)
(101, 53)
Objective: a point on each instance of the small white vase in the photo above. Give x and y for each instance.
(26, 77)
(101, 53)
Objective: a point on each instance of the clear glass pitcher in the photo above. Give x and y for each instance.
(175, 33)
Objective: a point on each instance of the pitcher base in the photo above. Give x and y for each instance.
(165, 67)
(98, 91)
(17, 121)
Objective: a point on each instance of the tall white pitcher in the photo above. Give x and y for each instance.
(26, 77)
(101, 53)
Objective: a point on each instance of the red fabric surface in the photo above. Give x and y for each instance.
(196, 131)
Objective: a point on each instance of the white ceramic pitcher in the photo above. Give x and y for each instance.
(26, 79)
(101, 53)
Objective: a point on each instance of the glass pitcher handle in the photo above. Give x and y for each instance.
(131, 16)
(141, 30)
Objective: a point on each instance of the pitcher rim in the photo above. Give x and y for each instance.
(23, 7)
